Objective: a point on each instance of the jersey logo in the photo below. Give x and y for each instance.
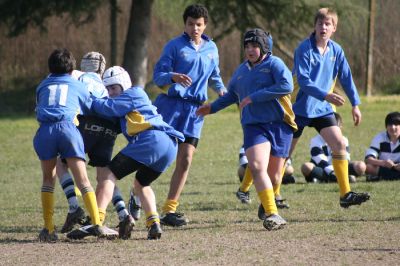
(265, 70)
(184, 54)
(210, 56)
(333, 58)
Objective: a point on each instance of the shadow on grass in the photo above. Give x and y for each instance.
(19, 229)
(331, 220)
(390, 250)
(10, 240)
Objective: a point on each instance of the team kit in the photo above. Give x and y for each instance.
(81, 113)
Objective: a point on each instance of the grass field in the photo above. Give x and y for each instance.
(222, 230)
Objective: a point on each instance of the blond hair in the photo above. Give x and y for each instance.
(326, 13)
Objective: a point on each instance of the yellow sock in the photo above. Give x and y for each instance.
(341, 168)
(170, 206)
(47, 196)
(277, 187)
(102, 216)
(152, 217)
(247, 180)
(277, 191)
(267, 199)
(89, 198)
(77, 192)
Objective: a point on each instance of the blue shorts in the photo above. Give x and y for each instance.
(279, 134)
(318, 123)
(180, 114)
(58, 139)
(153, 148)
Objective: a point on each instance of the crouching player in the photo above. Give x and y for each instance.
(152, 144)
(59, 98)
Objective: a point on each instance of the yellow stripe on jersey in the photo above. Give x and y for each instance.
(76, 121)
(135, 123)
(296, 88)
(331, 90)
(288, 114)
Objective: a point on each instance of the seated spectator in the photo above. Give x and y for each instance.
(320, 168)
(383, 155)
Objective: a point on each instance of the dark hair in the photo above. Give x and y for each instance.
(196, 11)
(392, 118)
(61, 61)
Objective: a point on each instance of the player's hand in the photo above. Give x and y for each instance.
(203, 110)
(335, 99)
(182, 79)
(397, 167)
(245, 102)
(388, 164)
(356, 115)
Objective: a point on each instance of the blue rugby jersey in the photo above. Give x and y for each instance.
(95, 84)
(315, 76)
(202, 66)
(60, 98)
(136, 113)
(268, 84)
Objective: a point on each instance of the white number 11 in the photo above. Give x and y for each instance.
(62, 95)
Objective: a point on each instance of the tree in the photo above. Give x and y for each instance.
(135, 53)
(18, 15)
(286, 20)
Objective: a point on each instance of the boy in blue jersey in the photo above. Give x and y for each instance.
(59, 98)
(99, 136)
(187, 67)
(152, 144)
(262, 86)
(318, 62)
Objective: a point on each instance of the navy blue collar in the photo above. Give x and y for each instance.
(203, 36)
(59, 75)
(313, 41)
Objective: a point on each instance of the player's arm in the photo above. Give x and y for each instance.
(113, 107)
(373, 152)
(164, 74)
(302, 71)
(283, 84)
(346, 80)
(215, 80)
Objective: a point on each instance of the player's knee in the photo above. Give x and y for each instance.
(360, 168)
(289, 170)
(338, 146)
(306, 168)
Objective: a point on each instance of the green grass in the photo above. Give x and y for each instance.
(222, 230)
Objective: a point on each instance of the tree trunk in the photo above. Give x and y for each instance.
(113, 31)
(135, 52)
